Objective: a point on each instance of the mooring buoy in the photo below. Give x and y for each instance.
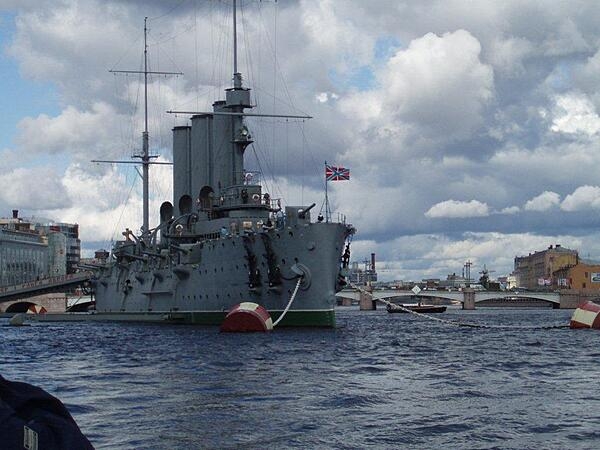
(586, 316)
(247, 317)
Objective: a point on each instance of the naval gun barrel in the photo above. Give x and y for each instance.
(302, 212)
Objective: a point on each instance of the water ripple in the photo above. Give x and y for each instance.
(380, 380)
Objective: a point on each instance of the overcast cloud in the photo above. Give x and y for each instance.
(471, 129)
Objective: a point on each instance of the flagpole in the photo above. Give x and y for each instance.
(326, 196)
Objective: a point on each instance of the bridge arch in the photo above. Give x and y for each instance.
(24, 307)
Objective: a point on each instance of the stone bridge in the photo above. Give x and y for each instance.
(469, 298)
(53, 303)
(45, 295)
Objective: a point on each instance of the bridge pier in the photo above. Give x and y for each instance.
(366, 301)
(569, 299)
(468, 299)
(346, 301)
(573, 298)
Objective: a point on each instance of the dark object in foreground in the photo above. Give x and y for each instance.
(30, 418)
(391, 308)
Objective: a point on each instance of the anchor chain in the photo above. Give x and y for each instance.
(290, 302)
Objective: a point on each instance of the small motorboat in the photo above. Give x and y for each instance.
(392, 308)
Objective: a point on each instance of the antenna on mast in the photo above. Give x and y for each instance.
(145, 156)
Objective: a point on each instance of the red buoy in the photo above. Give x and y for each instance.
(586, 316)
(247, 317)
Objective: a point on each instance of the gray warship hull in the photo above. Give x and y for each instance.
(203, 290)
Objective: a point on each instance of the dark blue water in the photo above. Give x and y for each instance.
(379, 380)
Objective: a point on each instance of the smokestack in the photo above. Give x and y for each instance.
(373, 262)
(15, 213)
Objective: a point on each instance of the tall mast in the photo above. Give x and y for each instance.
(234, 38)
(145, 157)
(237, 77)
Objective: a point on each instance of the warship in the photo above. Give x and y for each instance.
(223, 240)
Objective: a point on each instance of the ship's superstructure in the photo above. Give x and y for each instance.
(223, 240)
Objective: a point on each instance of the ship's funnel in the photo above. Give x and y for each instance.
(182, 176)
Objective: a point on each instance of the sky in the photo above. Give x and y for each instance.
(471, 129)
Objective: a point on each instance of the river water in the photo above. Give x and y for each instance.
(379, 380)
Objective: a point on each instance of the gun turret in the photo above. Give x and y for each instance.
(302, 212)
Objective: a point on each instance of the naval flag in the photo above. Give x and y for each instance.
(333, 173)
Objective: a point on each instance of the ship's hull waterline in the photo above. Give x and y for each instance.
(218, 277)
(295, 318)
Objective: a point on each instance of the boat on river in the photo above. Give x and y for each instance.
(223, 240)
(407, 308)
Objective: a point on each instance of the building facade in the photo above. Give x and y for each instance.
(585, 275)
(23, 256)
(359, 276)
(72, 245)
(536, 271)
(30, 252)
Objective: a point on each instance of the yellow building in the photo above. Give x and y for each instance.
(537, 270)
(585, 275)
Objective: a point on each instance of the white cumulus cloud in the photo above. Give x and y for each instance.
(33, 188)
(458, 209)
(510, 210)
(575, 113)
(542, 202)
(583, 197)
(438, 85)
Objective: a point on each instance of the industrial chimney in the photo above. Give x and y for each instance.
(373, 262)
(15, 213)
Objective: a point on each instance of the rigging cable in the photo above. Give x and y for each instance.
(169, 11)
(196, 55)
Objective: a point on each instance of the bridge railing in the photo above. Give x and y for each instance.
(45, 282)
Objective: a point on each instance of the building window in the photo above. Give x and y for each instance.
(583, 285)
